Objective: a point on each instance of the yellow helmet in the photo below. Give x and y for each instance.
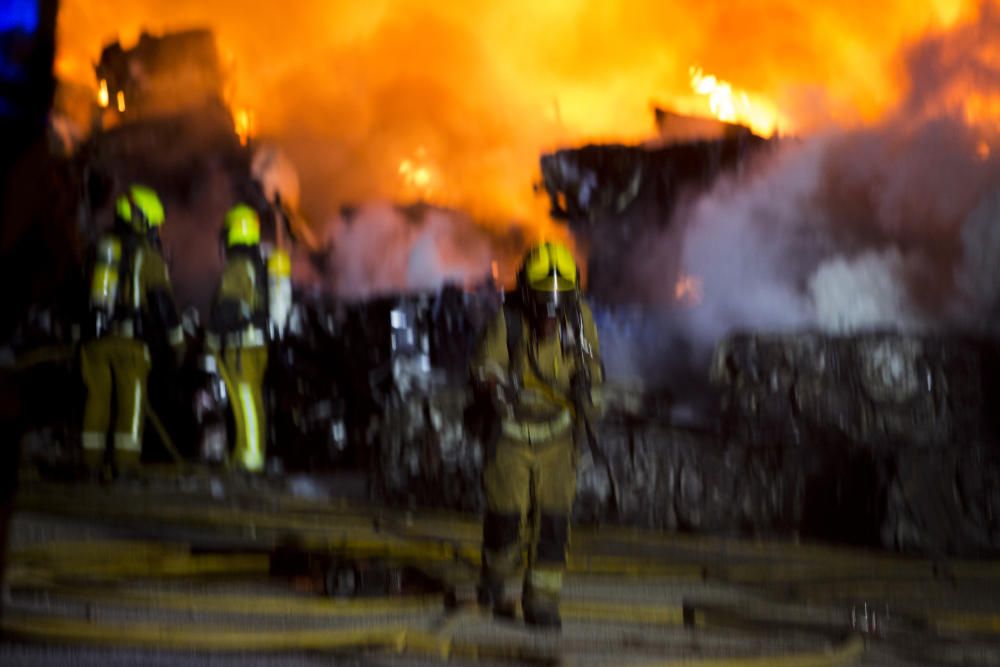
(550, 267)
(549, 278)
(140, 207)
(242, 226)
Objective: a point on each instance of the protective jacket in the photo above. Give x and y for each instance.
(542, 381)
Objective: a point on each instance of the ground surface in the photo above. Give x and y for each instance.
(177, 571)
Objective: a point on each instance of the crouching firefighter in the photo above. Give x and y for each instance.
(239, 332)
(131, 303)
(539, 362)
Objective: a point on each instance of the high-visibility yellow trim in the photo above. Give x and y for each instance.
(93, 440)
(127, 442)
(549, 581)
(252, 456)
(537, 431)
(279, 264)
(136, 411)
(104, 285)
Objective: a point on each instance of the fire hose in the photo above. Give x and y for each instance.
(54, 568)
(391, 635)
(365, 532)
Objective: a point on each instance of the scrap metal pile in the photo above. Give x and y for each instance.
(900, 429)
(874, 438)
(615, 197)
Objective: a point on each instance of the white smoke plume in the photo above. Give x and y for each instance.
(380, 248)
(895, 225)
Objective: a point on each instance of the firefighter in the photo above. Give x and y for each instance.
(539, 362)
(239, 325)
(131, 303)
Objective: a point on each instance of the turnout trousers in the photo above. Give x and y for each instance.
(529, 488)
(114, 367)
(245, 367)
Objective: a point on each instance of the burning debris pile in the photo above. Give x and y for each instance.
(616, 198)
(855, 433)
(160, 75)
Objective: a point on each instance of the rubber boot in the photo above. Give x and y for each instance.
(542, 615)
(490, 595)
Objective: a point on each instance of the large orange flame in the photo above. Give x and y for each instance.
(355, 90)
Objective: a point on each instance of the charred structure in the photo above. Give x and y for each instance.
(616, 197)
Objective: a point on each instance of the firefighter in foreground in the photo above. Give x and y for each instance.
(540, 364)
(239, 325)
(131, 303)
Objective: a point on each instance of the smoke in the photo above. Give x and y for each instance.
(863, 292)
(977, 276)
(381, 248)
(890, 225)
(870, 227)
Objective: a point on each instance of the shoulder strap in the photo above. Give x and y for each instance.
(515, 333)
(262, 283)
(126, 270)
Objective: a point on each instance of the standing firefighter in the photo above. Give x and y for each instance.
(130, 303)
(239, 324)
(540, 364)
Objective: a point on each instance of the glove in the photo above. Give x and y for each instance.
(504, 398)
(579, 391)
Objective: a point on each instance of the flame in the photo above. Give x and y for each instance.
(687, 290)
(243, 121)
(736, 106)
(102, 94)
(120, 98)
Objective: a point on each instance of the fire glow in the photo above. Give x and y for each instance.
(417, 178)
(349, 89)
(687, 290)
